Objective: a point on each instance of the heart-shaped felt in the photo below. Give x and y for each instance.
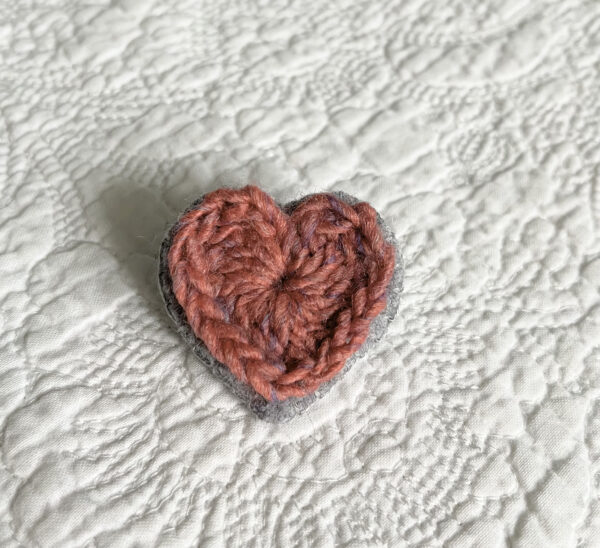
(280, 298)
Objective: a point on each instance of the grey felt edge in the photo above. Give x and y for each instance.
(278, 411)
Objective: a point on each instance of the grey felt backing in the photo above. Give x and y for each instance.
(279, 411)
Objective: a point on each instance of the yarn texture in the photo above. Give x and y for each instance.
(283, 300)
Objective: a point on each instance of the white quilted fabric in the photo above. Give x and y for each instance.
(472, 125)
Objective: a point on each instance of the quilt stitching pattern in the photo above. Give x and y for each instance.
(471, 126)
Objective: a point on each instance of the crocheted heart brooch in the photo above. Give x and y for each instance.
(277, 301)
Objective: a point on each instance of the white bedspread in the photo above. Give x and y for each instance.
(473, 126)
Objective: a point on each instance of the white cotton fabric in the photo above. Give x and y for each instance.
(472, 127)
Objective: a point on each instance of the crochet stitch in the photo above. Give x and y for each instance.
(283, 300)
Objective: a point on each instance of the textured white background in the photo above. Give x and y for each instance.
(473, 126)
